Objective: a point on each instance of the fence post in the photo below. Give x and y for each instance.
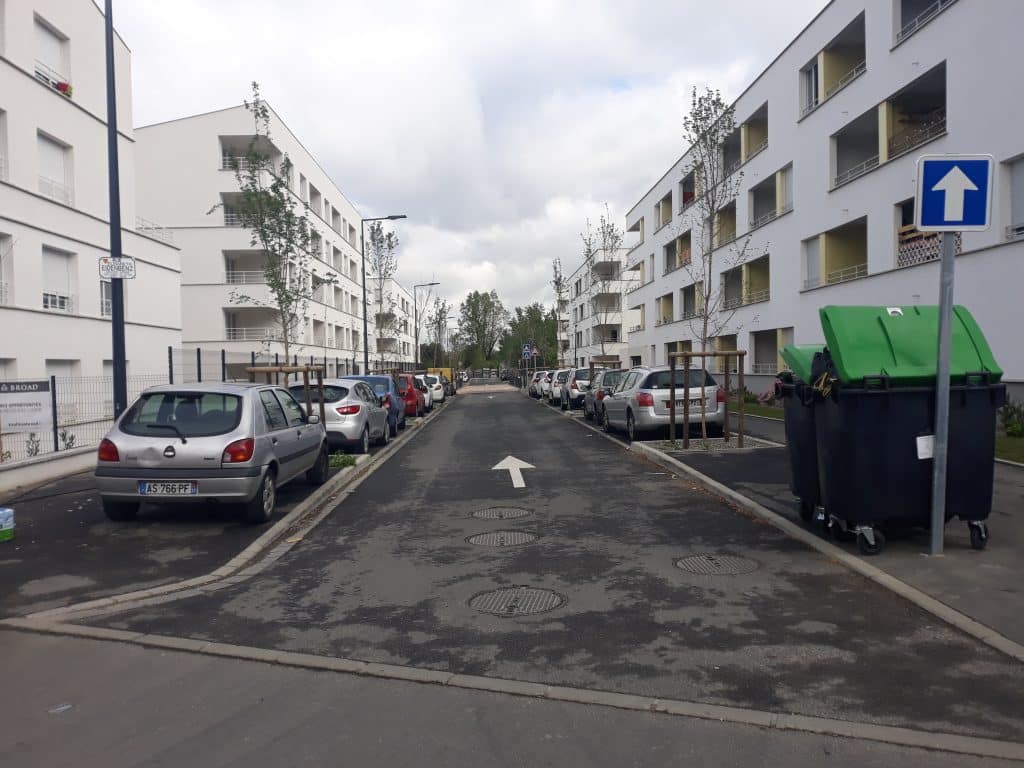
(725, 417)
(672, 398)
(277, 362)
(170, 365)
(223, 365)
(686, 400)
(252, 358)
(742, 362)
(199, 365)
(53, 411)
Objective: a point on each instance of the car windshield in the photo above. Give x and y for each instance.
(563, 376)
(432, 379)
(188, 414)
(612, 378)
(663, 379)
(379, 387)
(582, 374)
(332, 393)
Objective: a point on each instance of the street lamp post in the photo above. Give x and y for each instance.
(362, 253)
(416, 322)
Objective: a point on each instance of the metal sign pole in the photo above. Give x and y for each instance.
(113, 183)
(940, 449)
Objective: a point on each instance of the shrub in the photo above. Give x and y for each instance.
(1011, 418)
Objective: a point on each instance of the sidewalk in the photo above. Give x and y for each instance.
(983, 585)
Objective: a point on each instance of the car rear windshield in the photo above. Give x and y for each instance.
(563, 376)
(188, 414)
(583, 374)
(431, 379)
(611, 378)
(332, 393)
(663, 379)
(379, 387)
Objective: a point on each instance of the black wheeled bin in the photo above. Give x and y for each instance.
(794, 388)
(875, 418)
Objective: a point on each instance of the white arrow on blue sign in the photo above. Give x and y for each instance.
(954, 193)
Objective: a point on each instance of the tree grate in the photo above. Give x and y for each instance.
(500, 513)
(516, 601)
(502, 538)
(717, 565)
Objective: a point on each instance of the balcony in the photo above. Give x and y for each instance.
(636, 328)
(914, 14)
(154, 230)
(855, 148)
(914, 247)
(56, 190)
(51, 77)
(245, 277)
(918, 132)
(754, 134)
(732, 154)
(916, 114)
(663, 212)
(725, 226)
(845, 274)
(58, 301)
(233, 219)
(254, 334)
(687, 191)
(844, 80)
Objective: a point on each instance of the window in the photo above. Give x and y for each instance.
(54, 169)
(809, 96)
(3, 140)
(272, 410)
(292, 409)
(106, 298)
(183, 414)
(51, 56)
(57, 280)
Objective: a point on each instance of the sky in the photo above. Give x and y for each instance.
(498, 128)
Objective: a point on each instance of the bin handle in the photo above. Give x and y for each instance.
(882, 381)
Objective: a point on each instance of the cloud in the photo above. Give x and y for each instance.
(498, 128)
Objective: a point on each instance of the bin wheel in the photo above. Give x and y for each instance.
(806, 511)
(865, 545)
(979, 535)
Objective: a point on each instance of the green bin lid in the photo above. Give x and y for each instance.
(799, 358)
(901, 343)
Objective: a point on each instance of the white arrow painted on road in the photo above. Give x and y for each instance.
(515, 468)
(955, 185)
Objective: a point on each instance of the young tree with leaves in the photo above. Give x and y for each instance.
(715, 249)
(601, 249)
(280, 227)
(382, 264)
(482, 319)
(559, 283)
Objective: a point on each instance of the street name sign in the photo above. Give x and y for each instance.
(122, 268)
(954, 193)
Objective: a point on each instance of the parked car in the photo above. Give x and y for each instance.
(641, 401)
(235, 443)
(414, 398)
(603, 384)
(558, 379)
(576, 386)
(387, 388)
(436, 387)
(533, 389)
(351, 411)
(449, 388)
(545, 384)
(427, 390)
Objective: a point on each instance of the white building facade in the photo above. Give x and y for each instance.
(54, 213)
(598, 319)
(827, 141)
(186, 177)
(394, 319)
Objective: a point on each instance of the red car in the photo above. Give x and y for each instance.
(415, 402)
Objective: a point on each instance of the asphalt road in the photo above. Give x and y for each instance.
(179, 709)
(389, 575)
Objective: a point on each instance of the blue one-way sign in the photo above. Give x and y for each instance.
(954, 193)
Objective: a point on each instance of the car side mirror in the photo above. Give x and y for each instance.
(313, 418)
(380, 401)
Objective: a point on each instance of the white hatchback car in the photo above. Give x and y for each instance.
(428, 393)
(558, 379)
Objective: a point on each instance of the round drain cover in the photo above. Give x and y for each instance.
(502, 538)
(516, 601)
(716, 565)
(501, 513)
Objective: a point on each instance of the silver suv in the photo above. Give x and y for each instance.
(641, 401)
(225, 442)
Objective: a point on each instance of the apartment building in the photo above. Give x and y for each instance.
(54, 213)
(186, 176)
(391, 307)
(827, 140)
(599, 321)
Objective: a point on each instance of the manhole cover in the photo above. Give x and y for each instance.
(501, 513)
(516, 601)
(716, 565)
(502, 538)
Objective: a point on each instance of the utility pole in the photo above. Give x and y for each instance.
(114, 186)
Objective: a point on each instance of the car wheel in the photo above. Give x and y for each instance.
(318, 473)
(393, 429)
(605, 424)
(630, 427)
(565, 404)
(120, 511)
(261, 507)
(364, 441)
(385, 436)
(586, 413)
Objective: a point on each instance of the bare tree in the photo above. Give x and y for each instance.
(437, 321)
(603, 271)
(560, 286)
(383, 264)
(715, 247)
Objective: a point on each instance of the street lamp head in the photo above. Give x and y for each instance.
(426, 285)
(396, 216)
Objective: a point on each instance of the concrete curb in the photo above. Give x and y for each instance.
(266, 549)
(904, 737)
(1009, 463)
(935, 607)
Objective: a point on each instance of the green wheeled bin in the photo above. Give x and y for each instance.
(797, 395)
(875, 419)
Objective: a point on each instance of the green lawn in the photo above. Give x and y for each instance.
(1010, 448)
(755, 409)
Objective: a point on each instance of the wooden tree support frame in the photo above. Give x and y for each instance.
(740, 355)
(306, 371)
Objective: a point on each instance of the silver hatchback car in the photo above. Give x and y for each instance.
(225, 442)
(641, 401)
(355, 417)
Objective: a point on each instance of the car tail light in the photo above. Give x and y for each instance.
(575, 385)
(600, 394)
(645, 399)
(720, 397)
(108, 451)
(347, 410)
(240, 450)
(387, 402)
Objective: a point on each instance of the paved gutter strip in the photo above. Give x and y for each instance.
(268, 548)
(905, 737)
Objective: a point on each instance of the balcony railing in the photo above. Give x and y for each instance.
(846, 79)
(58, 301)
(922, 18)
(245, 277)
(809, 107)
(635, 328)
(688, 314)
(638, 286)
(230, 162)
(4, 294)
(919, 133)
(757, 150)
(914, 247)
(254, 334)
(764, 218)
(232, 219)
(761, 367)
(663, 321)
(55, 190)
(732, 302)
(56, 80)
(756, 297)
(858, 170)
(1015, 231)
(730, 168)
(847, 273)
(147, 227)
